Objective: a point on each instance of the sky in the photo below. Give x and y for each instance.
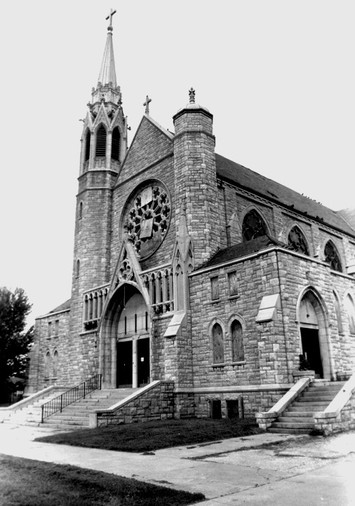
(277, 75)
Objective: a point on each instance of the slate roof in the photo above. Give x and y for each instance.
(63, 307)
(241, 250)
(248, 179)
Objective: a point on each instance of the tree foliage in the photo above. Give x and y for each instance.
(15, 341)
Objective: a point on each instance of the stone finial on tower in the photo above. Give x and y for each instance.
(192, 94)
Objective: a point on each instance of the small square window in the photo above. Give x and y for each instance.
(214, 288)
(232, 283)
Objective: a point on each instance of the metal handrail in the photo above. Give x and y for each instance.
(72, 395)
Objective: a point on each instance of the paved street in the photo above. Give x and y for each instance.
(263, 469)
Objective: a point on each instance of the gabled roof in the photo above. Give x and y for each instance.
(241, 250)
(248, 179)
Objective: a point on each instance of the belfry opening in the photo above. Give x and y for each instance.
(125, 339)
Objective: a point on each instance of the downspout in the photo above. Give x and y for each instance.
(282, 311)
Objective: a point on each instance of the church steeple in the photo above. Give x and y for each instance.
(107, 89)
(104, 141)
(108, 72)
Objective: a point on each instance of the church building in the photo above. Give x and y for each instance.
(193, 270)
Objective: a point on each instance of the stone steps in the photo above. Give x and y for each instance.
(77, 414)
(298, 418)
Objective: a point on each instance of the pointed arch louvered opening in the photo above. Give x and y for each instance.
(115, 148)
(87, 145)
(101, 142)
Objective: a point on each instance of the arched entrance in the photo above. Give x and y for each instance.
(125, 339)
(314, 339)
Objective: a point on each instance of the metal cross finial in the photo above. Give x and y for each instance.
(110, 17)
(146, 104)
(192, 95)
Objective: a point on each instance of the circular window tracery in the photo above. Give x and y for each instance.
(147, 219)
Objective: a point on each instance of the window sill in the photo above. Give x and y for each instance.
(215, 366)
(234, 297)
(241, 362)
(215, 301)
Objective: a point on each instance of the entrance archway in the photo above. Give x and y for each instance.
(313, 334)
(125, 339)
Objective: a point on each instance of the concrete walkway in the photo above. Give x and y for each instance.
(263, 469)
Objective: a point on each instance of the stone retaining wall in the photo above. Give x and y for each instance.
(154, 403)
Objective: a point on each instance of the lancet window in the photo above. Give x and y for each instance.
(350, 309)
(93, 306)
(253, 226)
(237, 341)
(331, 256)
(297, 241)
(161, 290)
(217, 344)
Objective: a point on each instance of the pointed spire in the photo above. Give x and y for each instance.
(108, 72)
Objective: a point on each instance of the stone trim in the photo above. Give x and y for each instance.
(234, 388)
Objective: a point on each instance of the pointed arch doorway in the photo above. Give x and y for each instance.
(125, 340)
(314, 340)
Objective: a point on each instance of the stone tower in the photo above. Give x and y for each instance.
(103, 148)
(196, 193)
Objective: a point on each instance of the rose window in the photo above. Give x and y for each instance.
(147, 219)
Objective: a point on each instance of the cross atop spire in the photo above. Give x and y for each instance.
(146, 104)
(110, 17)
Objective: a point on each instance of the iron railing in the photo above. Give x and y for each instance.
(74, 394)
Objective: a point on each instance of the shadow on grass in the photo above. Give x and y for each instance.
(26, 482)
(150, 436)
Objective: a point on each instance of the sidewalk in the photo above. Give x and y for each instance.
(295, 470)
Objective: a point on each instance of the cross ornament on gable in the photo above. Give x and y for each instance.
(110, 17)
(146, 104)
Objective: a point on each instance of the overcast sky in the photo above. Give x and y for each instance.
(278, 77)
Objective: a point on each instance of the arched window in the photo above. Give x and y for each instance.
(217, 344)
(331, 256)
(350, 310)
(77, 268)
(55, 364)
(297, 241)
(237, 341)
(115, 147)
(47, 365)
(338, 313)
(87, 145)
(253, 226)
(101, 142)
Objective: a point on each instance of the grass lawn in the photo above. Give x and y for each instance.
(150, 436)
(26, 482)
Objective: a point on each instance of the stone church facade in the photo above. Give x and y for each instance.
(193, 269)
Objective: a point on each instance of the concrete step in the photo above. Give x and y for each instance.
(293, 425)
(295, 420)
(289, 431)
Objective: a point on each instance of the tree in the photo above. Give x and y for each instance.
(15, 342)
